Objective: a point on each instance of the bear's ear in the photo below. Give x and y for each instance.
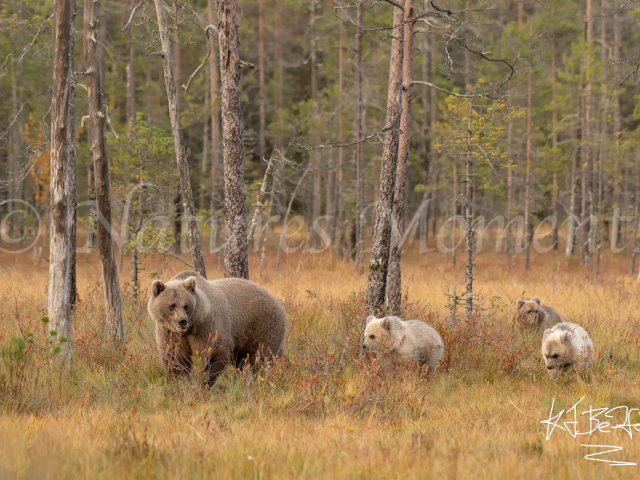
(369, 319)
(157, 287)
(190, 284)
(546, 333)
(537, 300)
(519, 304)
(567, 336)
(386, 323)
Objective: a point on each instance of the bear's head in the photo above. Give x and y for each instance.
(172, 304)
(379, 334)
(556, 350)
(530, 312)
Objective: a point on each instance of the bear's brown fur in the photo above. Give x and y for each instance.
(531, 313)
(222, 321)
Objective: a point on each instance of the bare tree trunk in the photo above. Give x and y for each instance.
(379, 262)
(617, 123)
(178, 142)
(317, 169)
(215, 127)
(131, 89)
(97, 124)
(454, 209)
(571, 235)
(58, 288)
(359, 187)
(588, 200)
(236, 262)
(635, 219)
(394, 285)
(71, 138)
(510, 245)
(205, 150)
(262, 90)
(434, 151)
(263, 253)
(469, 221)
(527, 200)
(337, 238)
(554, 144)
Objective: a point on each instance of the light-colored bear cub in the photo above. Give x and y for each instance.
(405, 341)
(566, 345)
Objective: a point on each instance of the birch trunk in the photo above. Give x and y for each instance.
(469, 222)
(178, 142)
(394, 285)
(131, 103)
(58, 288)
(379, 262)
(97, 124)
(236, 262)
(554, 143)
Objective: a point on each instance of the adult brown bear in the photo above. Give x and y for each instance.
(222, 321)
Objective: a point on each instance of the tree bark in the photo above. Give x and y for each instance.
(454, 208)
(394, 285)
(178, 142)
(379, 262)
(261, 86)
(215, 125)
(71, 138)
(510, 156)
(131, 102)
(205, 151)
(339, 229)
(527, 199)
(97, 124)
(469, 221)
(58, 288)
(317, 168)
(358, 124)
(554, 144)
(236, 262)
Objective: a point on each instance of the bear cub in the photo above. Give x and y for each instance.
(406, 341)
(227, 321)
(531, 313)
(566, 345)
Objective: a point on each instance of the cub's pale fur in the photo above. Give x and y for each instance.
(531, 313)
(566, 345)
(406, 341)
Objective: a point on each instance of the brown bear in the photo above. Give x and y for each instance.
(228, 321)
(531, 313)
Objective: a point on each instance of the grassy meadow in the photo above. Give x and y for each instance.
(322, 412)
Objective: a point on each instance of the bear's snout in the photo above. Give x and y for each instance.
(549, 367)
(183, 323)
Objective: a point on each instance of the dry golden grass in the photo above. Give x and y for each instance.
(323, 412)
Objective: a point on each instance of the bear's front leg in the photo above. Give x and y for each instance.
(215, 366)
(175, 352)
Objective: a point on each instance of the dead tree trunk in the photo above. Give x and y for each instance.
(315, 107)
(339, 229)
(510, 156)
(178, 142)
(379, 262)
(215, 126)
(394, 284)
(554, 144)
(205, 150)
(131, 101)
(236, 262)
(97, 124)
(571, 234)
(469, 221)
(359, 187)
(527, 198)
(454, 209)
(71, 138)
(58, 288)
(261, 86)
